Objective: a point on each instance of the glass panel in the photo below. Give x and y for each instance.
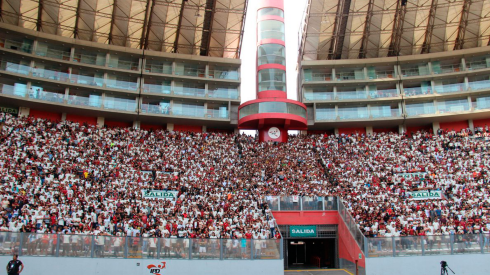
(449, 88)
(266, 249)
(271, 12)
(272, 54)
(319, 95)
(272, 202)
(272, 79)
(50, 74)
(122, 84)
(224, 73)
(380, 247)
(312, 203)
(18, 89)
(424, 89)
(188, 109)
(290, 203)
(122, 104)
(453, 106)
(353, 113)
(160, 68)
(479, 85)
(236, 249)
(384, 111)
(15, 67)
(190, 70)
(271, 29)
(164, 88)
(273, 107)
(352, 95)
(50, 51)
(326, 114)
(420, 109)
(40, 94)
(482, 103)
(374, 93)
(87, 80)
(93, 100)
(189, 89)
(223, 92)
(162, 107)
(206, 249)
(222, 112)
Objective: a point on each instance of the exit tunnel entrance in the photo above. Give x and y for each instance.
(315, 253)
(310, 246)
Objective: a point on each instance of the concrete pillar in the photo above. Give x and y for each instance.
(24, 111)
(336, 131)
(303, 132)
(136, 124)
(471, 125)
(204, 129)
(369, 130)
(170, 126)
(63, 116)
(100, 122)
(401, 129)
(435, 127)
(236, 131)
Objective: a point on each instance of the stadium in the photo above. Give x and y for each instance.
(126, 145)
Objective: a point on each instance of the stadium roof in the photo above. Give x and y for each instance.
(197, 27)
(350, 29)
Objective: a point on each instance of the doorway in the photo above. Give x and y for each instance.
(313, 253)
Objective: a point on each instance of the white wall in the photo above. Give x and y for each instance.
(81, 266)
(469, 264)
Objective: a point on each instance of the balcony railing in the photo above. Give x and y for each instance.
(450, 88)
(103, 246)
(352, 95)
(94, 101)
(221, 114)
(319, 96)
(47, 96)
(120, 104)
(348, 76)
(384, 93)
(420, 110)
(15, 68)
(16, 45)
(188, 111)
(479, 85)
(415, 91)
(87, 80)
(223, 93)
(193, 92)
(352, 114)
(19, 91)
(121, 84)
(318, 77)
(54, 53)
(385, 113)
(50, 74)
(220, 74)
(157, 89)
(476, 65)
(155, 109)
(124, 65)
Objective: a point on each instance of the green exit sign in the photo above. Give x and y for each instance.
(302, 230)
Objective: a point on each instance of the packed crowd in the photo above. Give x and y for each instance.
(79, 179)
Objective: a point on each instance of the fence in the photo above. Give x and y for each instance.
(404, 246)
(100, 246)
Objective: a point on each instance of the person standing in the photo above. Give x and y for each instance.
(14, 265)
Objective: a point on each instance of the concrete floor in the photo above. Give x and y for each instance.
(317, 272)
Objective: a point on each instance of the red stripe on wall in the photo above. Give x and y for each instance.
(306, 217)
(45, 115)
(81, 119)
(188, 128)
(456, 126)
(481, 122)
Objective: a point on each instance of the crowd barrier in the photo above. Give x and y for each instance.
(103, 246)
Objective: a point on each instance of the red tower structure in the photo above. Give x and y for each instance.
(272, 113)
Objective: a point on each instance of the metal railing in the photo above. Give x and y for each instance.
(298, 203)
(351, 224)
(448, 244)
(104, 246)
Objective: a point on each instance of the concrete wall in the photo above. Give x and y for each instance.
(470, 264)
(81, 266)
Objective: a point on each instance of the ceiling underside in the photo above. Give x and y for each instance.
(197, 27)
(350, 29)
